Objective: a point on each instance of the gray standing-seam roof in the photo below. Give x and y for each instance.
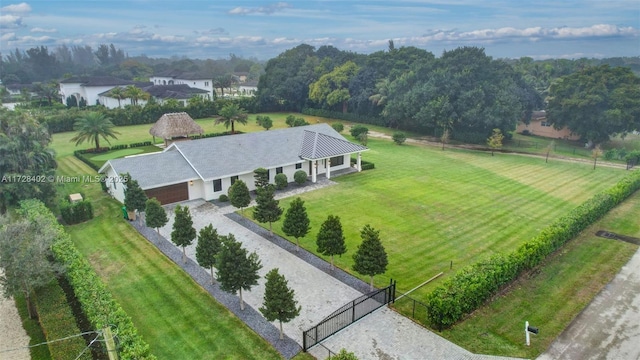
(225, 156)
(155, 169)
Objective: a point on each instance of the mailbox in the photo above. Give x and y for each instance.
(533, 330)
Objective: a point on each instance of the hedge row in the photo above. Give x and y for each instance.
(472, 286)
(365, 165)
(57, 322)
(96, 301)
(77, 212)
(80, 153)
(373, 120)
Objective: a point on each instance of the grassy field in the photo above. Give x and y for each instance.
(101, 158)
(172, 313)
(552, 297)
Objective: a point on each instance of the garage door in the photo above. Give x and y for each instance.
(169, 194)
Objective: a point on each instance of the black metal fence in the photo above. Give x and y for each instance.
(348, 314)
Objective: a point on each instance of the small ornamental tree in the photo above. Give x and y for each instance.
(338, 127)
(399, 138)
(183, 232)
(236, 268)
(135, 198)
(261, 176)
(155, 215)
(330, 240)
(370, 258)
(208, 248)
(264, 121)
(239, 195)
(267, 209)
(281, 181)
(296, 221)
(279, 300)
(495, 140)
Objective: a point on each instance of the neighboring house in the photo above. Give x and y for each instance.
(248, 88)
(16, 89)
(89, 88)
(182, 93)
(175, 125)
(206, 168)
(539, 126)
(177, 77)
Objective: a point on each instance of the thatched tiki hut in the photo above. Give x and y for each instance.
(174, 126)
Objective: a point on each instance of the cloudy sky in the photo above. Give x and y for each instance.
(263, 29)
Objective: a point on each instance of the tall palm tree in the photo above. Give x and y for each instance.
(118, 93)
(135, 94)
(231, 113)
(91, 127)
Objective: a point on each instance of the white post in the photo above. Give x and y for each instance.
(314, 171)
(526, 332)
(328, 168)
(359, 162)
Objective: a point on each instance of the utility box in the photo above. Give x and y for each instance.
(75, 198)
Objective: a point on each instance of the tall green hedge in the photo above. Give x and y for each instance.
(57, 322)
(96, 301)
(373, 120)
(472, 286)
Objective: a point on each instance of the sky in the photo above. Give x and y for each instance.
(215, 29)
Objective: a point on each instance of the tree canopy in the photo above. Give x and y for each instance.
(371, 258)
(267, 209)
(239, 195)
(183, 232)
(237, 270)
(296, 221)
(155, 215)
(596, 103)
(92, 126)
(230, 114)
(208, 247)
(330, 239)
(279, 300)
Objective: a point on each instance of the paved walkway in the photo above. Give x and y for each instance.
(609, 327)
(384, 334)
(12, 335)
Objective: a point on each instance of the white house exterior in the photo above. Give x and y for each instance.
(181, 93)
(89, 88)
(177, 77)
(206, 168)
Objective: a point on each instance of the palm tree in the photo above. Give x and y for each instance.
(231, 113)
(91, 127)
(223, 82)
(135, 94)
(118, 93)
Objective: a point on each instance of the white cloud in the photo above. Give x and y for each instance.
(8, 36)
(37, 29)
(270, 9)
(16, 8)
(10, 21)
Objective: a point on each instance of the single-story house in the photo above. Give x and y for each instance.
(539, 126)
(206, 168)
(182, 93)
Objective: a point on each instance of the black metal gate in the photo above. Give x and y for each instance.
(348, 314)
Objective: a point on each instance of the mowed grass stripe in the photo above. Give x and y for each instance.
(433, 207)
(172, 313)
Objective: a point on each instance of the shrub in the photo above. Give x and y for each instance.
(472, 286)
(281, 181)
(364, 165)
(399, 137)
(75, 213)
(611, 154)
(223, 198)
(356, 130)
(526, 132)
(337, 127)
(300, 177)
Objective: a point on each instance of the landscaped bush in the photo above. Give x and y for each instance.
(223, 198)
(472, 286)
(399, 137)
(356, 130)
(80, 155)
(57, 322)
(300, 177)
(77, 212)
(611, 154)
(96, 301)
(337, 127)
(365, 165)
(281, 181)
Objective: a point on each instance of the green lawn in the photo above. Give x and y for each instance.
(101, 158)
(435, 207)
(552, 297)
(172, 313)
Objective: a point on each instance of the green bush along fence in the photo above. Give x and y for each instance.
(470, 287)
(57, 322)
(96, 301)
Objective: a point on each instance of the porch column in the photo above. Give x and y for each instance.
(314, 171)
(359, 162)
(328, 168)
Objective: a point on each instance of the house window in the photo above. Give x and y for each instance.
(279, 170)
(114, 185)
(545, 123)
(206, 83)
(217, 185)
(299, 166)
(337, 161)
(234, 179)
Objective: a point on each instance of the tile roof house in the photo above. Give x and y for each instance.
(192, 79)
(160, 93)
(89, 87)
(206, 168)
(539, 126)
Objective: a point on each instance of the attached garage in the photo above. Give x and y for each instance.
(169, 194)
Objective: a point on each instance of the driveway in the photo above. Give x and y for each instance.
(609, 327)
